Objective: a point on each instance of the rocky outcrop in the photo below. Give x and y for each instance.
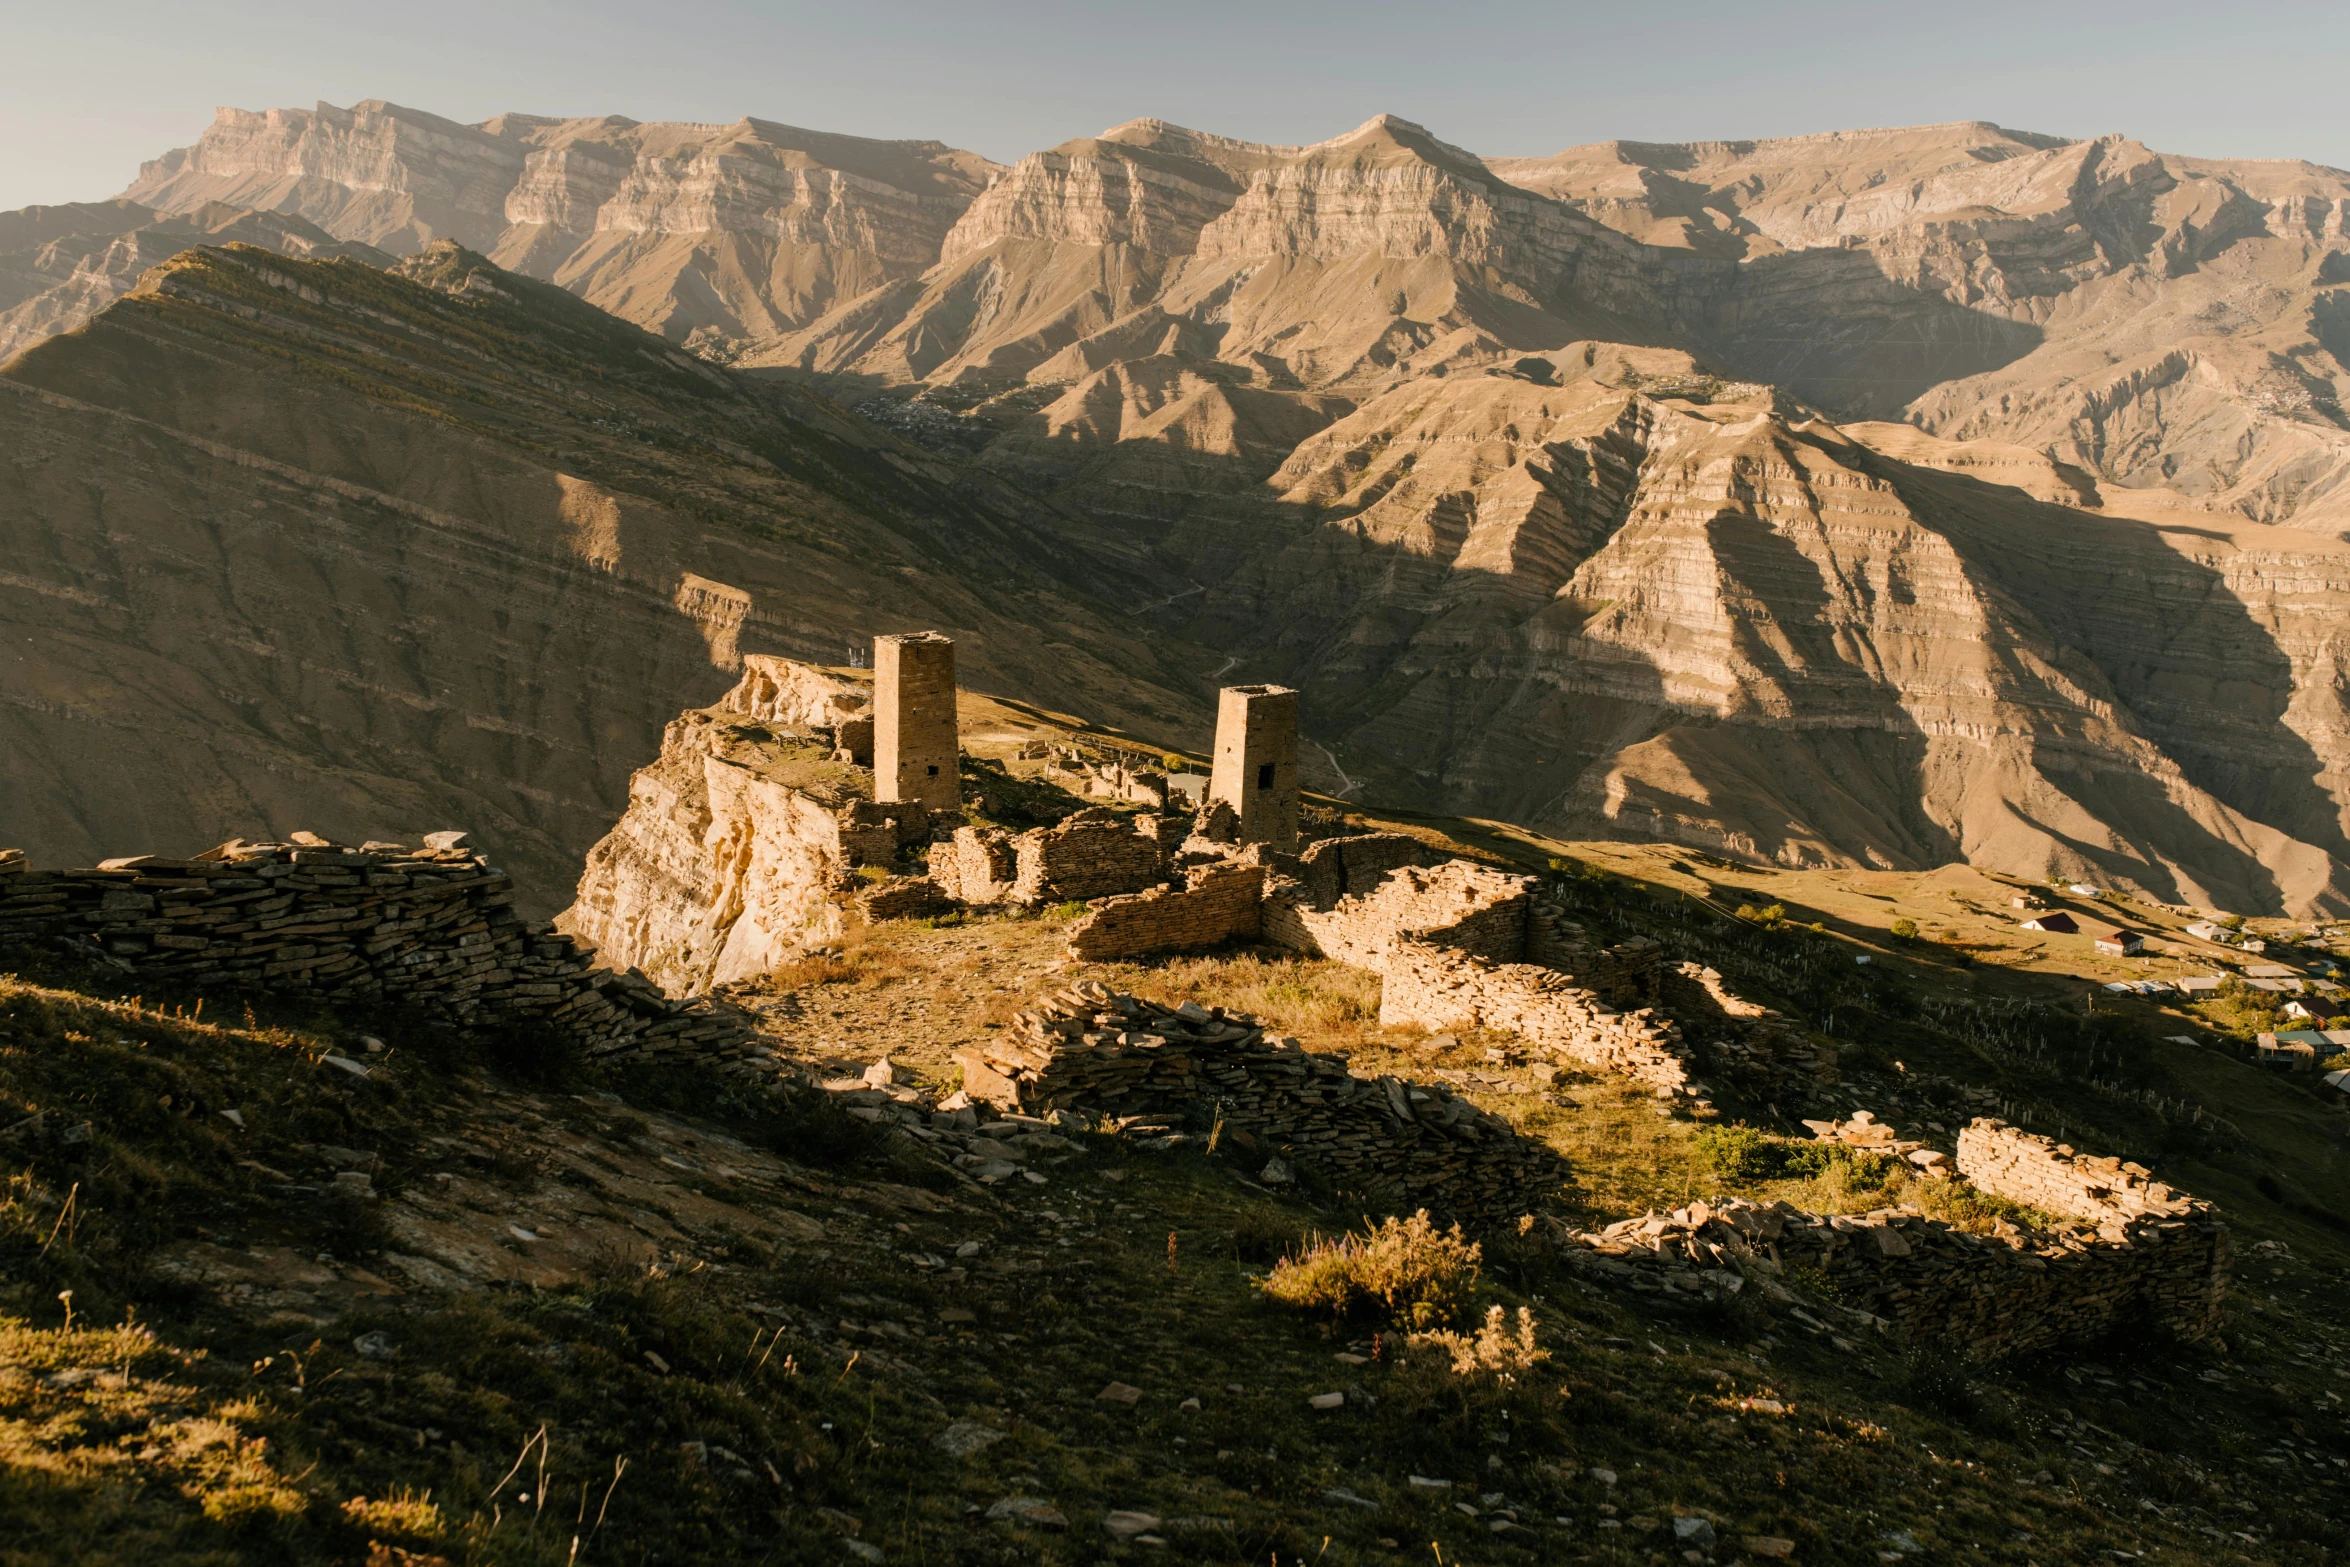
(736, 851)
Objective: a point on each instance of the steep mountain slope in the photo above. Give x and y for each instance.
(1595, 607)
(2153, 319)
(724, 235)
(59, 266)
(1379, 253)
(307, 544)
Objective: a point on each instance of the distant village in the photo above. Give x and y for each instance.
(2312, 995)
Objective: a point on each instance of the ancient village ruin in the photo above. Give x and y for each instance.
(806, 799)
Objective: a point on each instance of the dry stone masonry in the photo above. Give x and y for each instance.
(1218, 902)
(915, 745)
(2133, 1253)
(1094, 1050)
(431, 931)
(2042, 1173)
(1094, 853)
(1256, 762)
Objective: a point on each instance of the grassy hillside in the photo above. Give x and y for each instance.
(670, 1320)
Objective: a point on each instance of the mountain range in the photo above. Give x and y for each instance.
(1880, 498)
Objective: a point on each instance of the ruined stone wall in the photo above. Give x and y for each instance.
(977, 866)
(1333, 868)
(431, 931)
(900, 898)
(2045, 1174)
(1457, 905)
(1410, 1144)
(1628, 974)
(1094, 854)
(1988, 1297)
(1216, 903)
(1430, 987)
(1765, 1052)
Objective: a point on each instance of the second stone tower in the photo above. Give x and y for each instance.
(1256, 762)
(914, 738)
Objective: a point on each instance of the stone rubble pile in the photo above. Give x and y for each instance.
(2147, 1260)
(431, 930)
(1870, 1135)
(1102, 1052)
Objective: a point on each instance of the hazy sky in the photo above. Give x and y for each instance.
(87, 91)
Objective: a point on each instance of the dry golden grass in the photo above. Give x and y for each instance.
(865, 955)
(1405, 1271)
(1329, 1005)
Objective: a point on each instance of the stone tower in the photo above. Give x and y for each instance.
(1256, 762)
(914, 740)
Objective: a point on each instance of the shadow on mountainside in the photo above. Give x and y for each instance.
(1519, 716)
(2197, 670)
(1832, 328)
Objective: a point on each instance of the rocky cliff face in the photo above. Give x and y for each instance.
(2154, 319)
(721, 235)
(727, 861)
(394, 178)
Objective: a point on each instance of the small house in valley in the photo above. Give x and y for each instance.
(2115, 941)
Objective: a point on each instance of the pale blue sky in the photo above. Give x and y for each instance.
(87, 91)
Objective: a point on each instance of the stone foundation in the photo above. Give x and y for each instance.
(1407, 1145)
(430, 931)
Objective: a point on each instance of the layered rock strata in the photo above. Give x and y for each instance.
(1407, 1144)
(723, 236)
(429, 931)
(61, 265)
